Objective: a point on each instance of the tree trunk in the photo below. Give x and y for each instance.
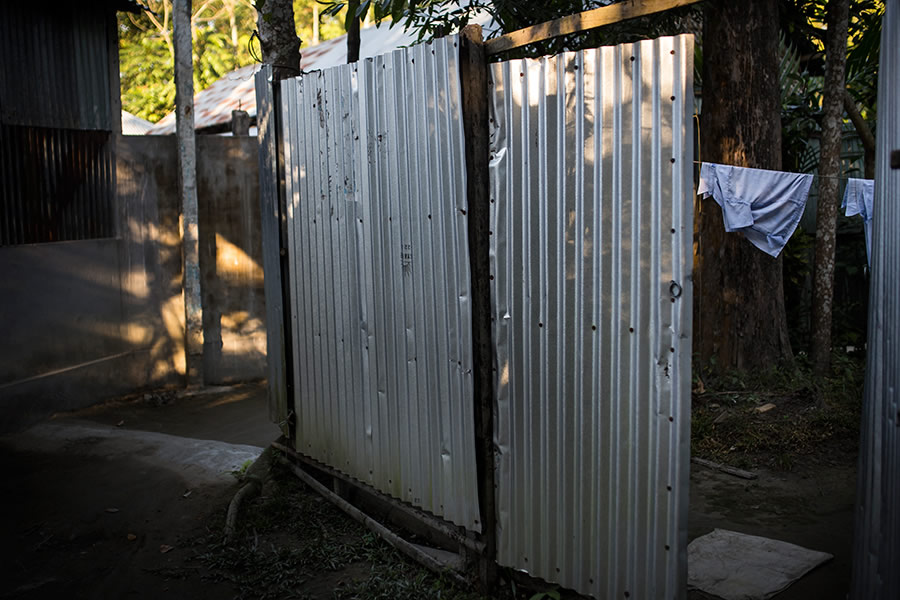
(865, 135)
(739, 315)
(315, 24)
(187, 181)
(829, 171)
(278, 37)
(352, 32)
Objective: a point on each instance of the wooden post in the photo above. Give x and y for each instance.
(278, 340)
(583, 21)
(187, 180)
(474, 85)
(240, 122)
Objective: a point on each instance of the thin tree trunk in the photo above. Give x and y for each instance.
(187, 180)
(865, 135)
(352, 32)
(829, 171)
(315, 24)
(739, 313)
(278, 37)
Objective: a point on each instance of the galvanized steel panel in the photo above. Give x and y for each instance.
(379, 276)
(591, 256)
(876, 552)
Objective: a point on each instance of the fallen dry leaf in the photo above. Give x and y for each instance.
(765, 407)
(131, 537)
(163, 548)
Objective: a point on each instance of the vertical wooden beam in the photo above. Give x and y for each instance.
(277, 338)
(187, 181)
(240, 122)
(474, 85)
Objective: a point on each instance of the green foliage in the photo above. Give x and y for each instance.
(292, 543)
(222, 32)
(148, 77)
(435, 18)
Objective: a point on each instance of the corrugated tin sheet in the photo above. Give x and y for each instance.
(55, 185)
(591, 228)
(55, 70)
(877, 538)
(379, 276)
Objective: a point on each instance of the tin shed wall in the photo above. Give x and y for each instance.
(379, 275)
(591, 254)
(55, 70)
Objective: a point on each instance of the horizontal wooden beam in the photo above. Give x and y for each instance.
(591, 19)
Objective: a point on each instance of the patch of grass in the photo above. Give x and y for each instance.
(291, 543)
(392, 577)
(811, 416)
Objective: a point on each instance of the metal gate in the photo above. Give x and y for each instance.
(591, 248)
(590, 254)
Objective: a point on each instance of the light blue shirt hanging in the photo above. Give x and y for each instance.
(858, 199)
(765, 206)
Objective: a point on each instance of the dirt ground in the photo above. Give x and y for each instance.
(811, 506)
(94, 508)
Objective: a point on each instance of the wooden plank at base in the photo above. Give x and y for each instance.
(591, 19)
(723, 468)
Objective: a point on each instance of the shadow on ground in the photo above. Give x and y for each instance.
(128, 499)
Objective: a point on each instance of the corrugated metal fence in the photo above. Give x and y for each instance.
(592, 229)
(379, 276)
(590, 267)
(877, 536)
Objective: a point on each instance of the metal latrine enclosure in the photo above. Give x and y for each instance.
(592, 227)
(379, 276)
(590, 251)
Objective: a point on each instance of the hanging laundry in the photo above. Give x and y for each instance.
(765, 206)
(858, 197)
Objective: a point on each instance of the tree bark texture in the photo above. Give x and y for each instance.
(187, 181)
(865, 134)
(739, 314)
(278, 37)
(829, 190)
(353, 38)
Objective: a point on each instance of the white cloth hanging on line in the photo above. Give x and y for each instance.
(859, 196)
(764, 205)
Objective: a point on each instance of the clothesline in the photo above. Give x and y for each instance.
(814, 175)
(767, 205)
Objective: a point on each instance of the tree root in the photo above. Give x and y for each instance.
(252, 485)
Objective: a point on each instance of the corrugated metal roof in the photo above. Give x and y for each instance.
(133, 125)
(236, 90)
(591, 232)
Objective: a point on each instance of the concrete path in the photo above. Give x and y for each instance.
(107, 502)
